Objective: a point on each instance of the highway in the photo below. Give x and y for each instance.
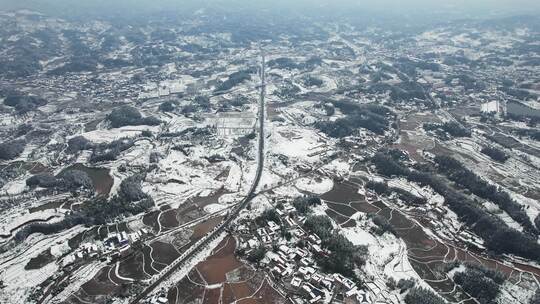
(201, 245)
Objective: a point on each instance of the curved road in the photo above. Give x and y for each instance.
(249, 196)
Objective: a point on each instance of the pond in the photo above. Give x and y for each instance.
(101, 179)
(519, 109)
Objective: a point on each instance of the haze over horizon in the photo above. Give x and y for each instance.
(441, 10)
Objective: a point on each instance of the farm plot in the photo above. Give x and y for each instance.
(96, 290)
(222, 278)
(344, 193)
(144, 261)
(167, 219)
(344, 201)
(427, 255)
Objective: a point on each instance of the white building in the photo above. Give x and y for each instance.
(495, 107)
(233, 123)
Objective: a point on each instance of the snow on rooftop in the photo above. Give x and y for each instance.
(491, 107)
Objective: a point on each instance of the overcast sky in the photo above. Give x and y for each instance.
(469, 8)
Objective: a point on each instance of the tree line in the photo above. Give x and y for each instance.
(129, 116)
(129, 200)
(110, 151)
(456, 172)
(495, 154)
(289, 64)
(497, 235)
(100, 152)
(481, 283)
(70, 180)
(372, 117)
(419, 295)
(451, 127)
(303, 205)
(235, 79)
(344, 256)
(24, 103)
(405, 196)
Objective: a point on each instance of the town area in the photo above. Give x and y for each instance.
(182, 159)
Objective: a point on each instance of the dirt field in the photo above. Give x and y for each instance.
(132, 267)
(150, 220)
(344, 193)
(168, 219)
(149, 266)
(203, 228)
(338, 218)
(186, 291)
(222, 278)
(101, 284)
(216, 267)
(164, 253)
(343, 209)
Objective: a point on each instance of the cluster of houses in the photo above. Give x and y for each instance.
(165, 88)
(291, 261)
(115, 244)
